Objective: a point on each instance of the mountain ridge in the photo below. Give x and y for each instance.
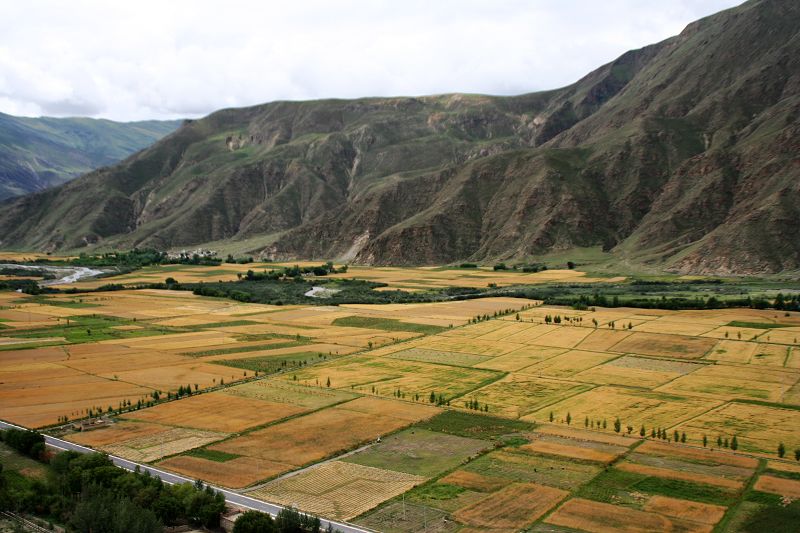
(38, 153)
(681, 154)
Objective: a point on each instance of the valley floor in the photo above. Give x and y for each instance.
(494, 414)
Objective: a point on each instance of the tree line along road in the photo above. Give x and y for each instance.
(231, 497)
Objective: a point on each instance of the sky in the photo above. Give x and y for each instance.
(143, 59)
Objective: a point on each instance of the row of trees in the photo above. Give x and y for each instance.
(293, 272)
(532, 267)
(662, 434)
(497, 314)
(287, 521)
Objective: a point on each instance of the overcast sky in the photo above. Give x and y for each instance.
(166, 59)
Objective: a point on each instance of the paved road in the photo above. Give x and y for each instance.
(231, 497)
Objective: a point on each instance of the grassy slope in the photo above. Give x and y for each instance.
(36, 153)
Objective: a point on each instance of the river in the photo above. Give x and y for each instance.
(65, 275)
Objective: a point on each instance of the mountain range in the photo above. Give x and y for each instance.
(681, 155)
(39, 153)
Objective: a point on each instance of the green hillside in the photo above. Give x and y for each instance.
(38, 153)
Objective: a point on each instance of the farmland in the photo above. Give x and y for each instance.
(492, 414)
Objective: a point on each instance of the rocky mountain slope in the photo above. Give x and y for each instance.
(38, 153)
(683, 154)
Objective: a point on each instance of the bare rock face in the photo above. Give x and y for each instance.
(683, 154)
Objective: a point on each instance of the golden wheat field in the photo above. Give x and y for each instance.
(561, 416)
(337, 489)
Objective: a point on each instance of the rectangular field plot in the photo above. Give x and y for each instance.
(284, 392)
(475, 330)
(643, 371)
(216, 411)
(532, 332)
(525, 467)
(171, 377)
(337, 489)
(758, 428)
(597, 517)
(543, 444)
(506, 332)
(521, 358)
(511, 508)
(733, 332)
(474, 425)
(568, 364)
(695, 468)
(729, 351)
(564, 337)
(679, 472)
(770, 355)
(406, 517)
(778, 485)
(782, 336)
(601, 340)
(575, 433)
(675, 346)
(633, 484)
(669, 325)
(419, 452)
(743, 465)
(235, 473)
(518, 395)
(384, 376)
(632, 406)
(731, 382)
(145, 442)
(312, 437)
(40, 403)
(439, 357)
(470, 346)
(473, 481)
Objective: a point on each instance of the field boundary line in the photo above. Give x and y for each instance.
(559, 400)
(732, 509)
(715, 408)
(293, 473)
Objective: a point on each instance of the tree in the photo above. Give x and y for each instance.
(781, 450)
(734, 443)
(683, 437)
(797, 454)
(552, 416)
(705, 441)
(617, 425)
(432, 398)
(604, 424)
(30, 443)
(719, 441)
(290, 521)
(725, 442)
(569, 418)
(653, 433)
(586, 422)
(642, 431)
(328, 383)
(254, 522)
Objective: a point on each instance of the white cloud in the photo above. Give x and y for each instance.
(156, 59)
